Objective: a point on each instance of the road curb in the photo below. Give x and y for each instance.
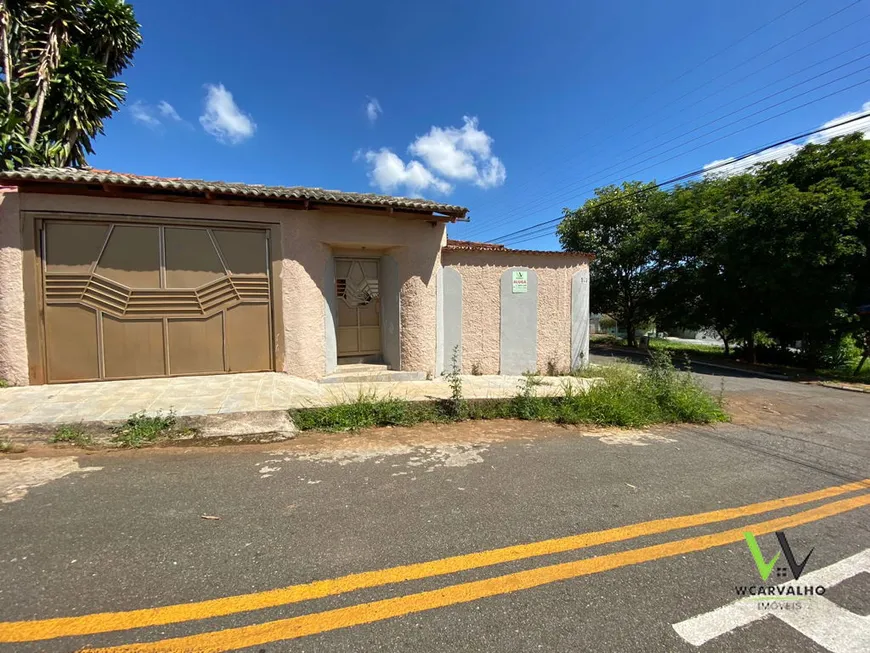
(210, 430)
(838, 386)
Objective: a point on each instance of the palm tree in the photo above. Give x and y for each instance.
(81, 98)
(60, 71)
(5, 25)
(59, 20)
(112, 34)
(12, 17)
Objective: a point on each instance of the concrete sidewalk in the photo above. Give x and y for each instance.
(230, 393)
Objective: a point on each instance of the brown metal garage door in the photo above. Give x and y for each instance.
(130, 300)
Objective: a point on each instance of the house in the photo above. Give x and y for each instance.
(117, 276)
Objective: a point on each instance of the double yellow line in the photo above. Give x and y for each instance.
(283, 629)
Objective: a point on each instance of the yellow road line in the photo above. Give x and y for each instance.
(25, 631)
(311, 624)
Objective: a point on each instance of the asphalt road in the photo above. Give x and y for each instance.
(125, 531)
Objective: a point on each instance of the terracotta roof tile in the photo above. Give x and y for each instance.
(471, 246)
(236, 189)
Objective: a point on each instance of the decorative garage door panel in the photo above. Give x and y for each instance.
(131, 301)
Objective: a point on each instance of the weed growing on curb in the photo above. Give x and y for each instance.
(625, 395)
(72, 434)
(366, 411)
(526, 404)
(141, 429)
(11, 447)
(456, 403)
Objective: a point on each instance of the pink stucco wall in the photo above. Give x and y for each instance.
(308, 240)
(306, 244)
(481, 273)
(13, 334)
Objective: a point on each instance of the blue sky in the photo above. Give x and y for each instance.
(513, 109)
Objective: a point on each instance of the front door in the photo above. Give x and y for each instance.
(359, 307)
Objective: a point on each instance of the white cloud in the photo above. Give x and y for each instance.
(463, 154)
(223, 118)
(862, 125)
(373, 109)
(721, 168)
(390, 173)
(141, 112)
(168, 111)
(788, 150)
(153, 115)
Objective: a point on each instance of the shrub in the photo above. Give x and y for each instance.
(634, 397)
(606, 339)
(140, 429)
(72, 434)
(627, 395)
(366, 411)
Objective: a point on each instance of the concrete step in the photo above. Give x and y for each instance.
(369, 373)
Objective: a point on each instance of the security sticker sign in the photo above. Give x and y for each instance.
(520, 281)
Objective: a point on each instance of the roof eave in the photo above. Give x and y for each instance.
(528, 252)
(141, 191)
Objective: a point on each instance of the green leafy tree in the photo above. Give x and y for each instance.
(60, 61)
(707, 278)
(781, 251)
(807, 244)
(618, 225)
(845, 160)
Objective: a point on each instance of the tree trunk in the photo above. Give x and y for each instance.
(727, 344)
(46, 65)
(7, 58)
(750, 348)
(37, 115)
(629, 333)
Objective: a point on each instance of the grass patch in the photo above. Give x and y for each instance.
(629, 396)
(606, 339)
(847, 375)
(5, 384)
(11, 447)
(710, 350)
(141, 429)
(72, 434)
(366, 411)
(661, 344)
(654, 394)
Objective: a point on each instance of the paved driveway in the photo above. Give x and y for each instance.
(230, 393)
(501, 536)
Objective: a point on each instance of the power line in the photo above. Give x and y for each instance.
(533, 204)
(699, 171)
(739, 41)
(713, 79)
(542, 203)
